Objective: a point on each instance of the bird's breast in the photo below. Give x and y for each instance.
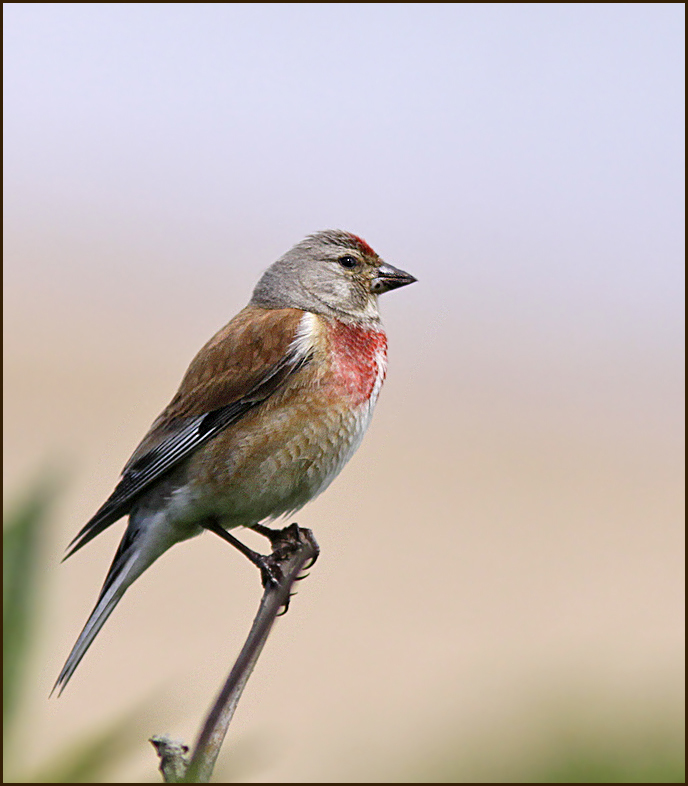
(358, 362)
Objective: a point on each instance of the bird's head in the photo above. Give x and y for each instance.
(333, 273)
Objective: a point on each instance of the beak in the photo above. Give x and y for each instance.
(390, 277)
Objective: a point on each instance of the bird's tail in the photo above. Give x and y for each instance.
(121, 575)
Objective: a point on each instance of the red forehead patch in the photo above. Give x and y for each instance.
(364, 247)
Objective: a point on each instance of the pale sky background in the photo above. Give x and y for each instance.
(526, 163)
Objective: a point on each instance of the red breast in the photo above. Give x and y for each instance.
(359, 360)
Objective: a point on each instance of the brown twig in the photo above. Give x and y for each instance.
(293, 549)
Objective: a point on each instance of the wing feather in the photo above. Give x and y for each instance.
(239, 368)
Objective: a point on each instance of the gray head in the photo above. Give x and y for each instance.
(333, 273)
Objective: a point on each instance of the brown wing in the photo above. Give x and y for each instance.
(241, 366)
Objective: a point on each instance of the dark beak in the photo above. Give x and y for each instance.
(390, 277)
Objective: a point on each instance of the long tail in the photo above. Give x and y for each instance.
(124, 570)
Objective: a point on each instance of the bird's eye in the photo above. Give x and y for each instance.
(348, 261)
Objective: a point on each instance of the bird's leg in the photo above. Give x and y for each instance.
(284, 543)
(269, 571)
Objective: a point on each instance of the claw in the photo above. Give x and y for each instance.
(286, 605)
(311, 562)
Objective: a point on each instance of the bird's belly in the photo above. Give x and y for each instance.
(277, 468)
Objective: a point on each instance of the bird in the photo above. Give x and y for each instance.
(266, 416)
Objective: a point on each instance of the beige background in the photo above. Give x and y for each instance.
(508, 540)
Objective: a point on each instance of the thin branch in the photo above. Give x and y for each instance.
(293, 549)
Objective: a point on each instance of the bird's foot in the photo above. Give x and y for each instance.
(287, 540)
(270, 571)
(284, 542)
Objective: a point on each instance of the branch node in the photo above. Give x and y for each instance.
(173, 757)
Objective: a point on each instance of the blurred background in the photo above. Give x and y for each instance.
(500, 592)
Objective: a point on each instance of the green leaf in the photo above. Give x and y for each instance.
(23, 537)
